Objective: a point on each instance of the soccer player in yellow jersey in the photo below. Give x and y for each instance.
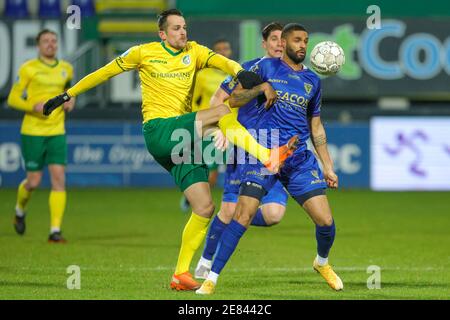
(43, 138)
(167, 70)
(206, 83)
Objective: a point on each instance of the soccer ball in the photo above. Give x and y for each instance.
(327, 58)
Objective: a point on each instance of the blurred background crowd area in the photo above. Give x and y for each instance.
(397, 71)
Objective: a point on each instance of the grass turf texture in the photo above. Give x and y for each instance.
(126, 243)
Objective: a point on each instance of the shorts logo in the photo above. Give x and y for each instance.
(308, 87)
(315, 174)
(186, 59)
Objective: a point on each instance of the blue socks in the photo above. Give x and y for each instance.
(258, 219)
(212, 239)
(325, 238)
(227, 245)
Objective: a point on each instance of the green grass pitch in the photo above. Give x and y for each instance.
(126, 243)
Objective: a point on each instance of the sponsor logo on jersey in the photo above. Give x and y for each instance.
(157, 61)
(278, 81)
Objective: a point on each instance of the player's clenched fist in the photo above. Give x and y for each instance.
(55, 102)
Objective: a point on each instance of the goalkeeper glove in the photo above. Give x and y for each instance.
(55, 102)
(248, 79)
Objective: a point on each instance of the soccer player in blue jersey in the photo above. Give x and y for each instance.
(296, 112)
(273, 205)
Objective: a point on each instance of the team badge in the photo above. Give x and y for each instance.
(186, 59)
(315, 174)
(64, 73)
(308, 88)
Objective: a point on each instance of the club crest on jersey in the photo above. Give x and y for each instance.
(64, 73)
(186, 59)
(308, 87)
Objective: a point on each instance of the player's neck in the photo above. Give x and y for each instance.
(48, 60)
(292, 64)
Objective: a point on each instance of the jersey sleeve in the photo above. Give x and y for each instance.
(315, 104)
(129, 60)
(230, 83)
(15, 97)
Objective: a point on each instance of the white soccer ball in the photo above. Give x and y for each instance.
(327, 58)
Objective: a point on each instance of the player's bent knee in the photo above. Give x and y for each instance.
(206, 210)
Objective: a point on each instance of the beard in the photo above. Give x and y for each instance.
(294, 57)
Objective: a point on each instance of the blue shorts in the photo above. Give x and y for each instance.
(277, 193)
(299, 180)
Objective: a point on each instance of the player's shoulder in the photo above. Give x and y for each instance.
(269, 62)
(248, 64)
(65, 64)
(311, 75)
(193, 47)
(31, 63)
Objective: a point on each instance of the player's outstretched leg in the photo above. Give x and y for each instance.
(221, 115)
(319, 210)
(246, 208)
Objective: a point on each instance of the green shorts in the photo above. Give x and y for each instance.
(171, 143)
(38, 151)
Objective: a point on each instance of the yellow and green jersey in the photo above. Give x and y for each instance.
(37, 82)
(167, 75)
(206, 84)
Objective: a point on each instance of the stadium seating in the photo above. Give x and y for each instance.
(16, 9)
(49, 9)
(87, 7)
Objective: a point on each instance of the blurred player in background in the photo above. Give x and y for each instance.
(43, 138)
(297, 111)
(167, 70)
(206, 84)
(273, 205)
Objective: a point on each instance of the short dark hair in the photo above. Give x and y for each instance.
(269, 28)
(162, 18)
(292, 27)
(42, 32)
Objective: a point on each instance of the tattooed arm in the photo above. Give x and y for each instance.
(319, 140)
(241, 96)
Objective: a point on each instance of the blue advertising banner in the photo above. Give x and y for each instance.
(113, 154)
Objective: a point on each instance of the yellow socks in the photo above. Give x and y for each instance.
(193, 234)
(23, 195)
(57, 203)
(240, 137)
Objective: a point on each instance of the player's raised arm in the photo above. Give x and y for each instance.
(241, 96)
(319, 140)
(127, 61)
